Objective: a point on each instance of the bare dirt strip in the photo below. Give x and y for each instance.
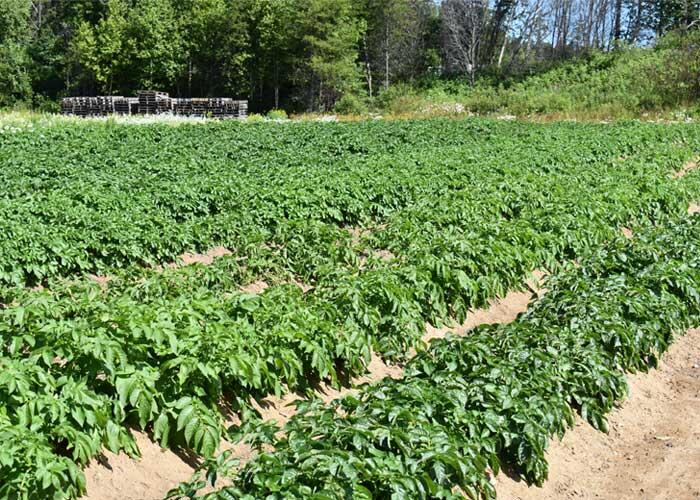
(652, 450)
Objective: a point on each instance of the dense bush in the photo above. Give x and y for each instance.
(277, 114)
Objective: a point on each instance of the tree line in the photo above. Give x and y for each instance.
(301, 54)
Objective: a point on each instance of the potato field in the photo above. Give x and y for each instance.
(356, 236)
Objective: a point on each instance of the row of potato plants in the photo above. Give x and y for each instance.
(468, 406)
(160, 350)
(95, 198)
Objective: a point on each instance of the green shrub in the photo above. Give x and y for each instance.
(619, 84)
(388, 98)
(277, 114)
(45, 105)
(484, 100)
(350, 104)
(677, 71)
(255, 118)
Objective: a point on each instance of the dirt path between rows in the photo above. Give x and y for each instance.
(652, 450)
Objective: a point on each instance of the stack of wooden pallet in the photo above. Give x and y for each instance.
(120, 105)
(164, 104)
(196, 106)
(67, 106)
(200, 106)
(215, 107)
(222, 107)
(182, 107)
(152, 102)
(87, 106)
(242, 109)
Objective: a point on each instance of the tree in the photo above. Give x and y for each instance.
(15, 82)
(154, 44)
(100, 49)
(463, 27)
(273, 43)
(666, 15)
(217, 47)
(394, 44)
(503, 11)
(55, 68)
(617, 33)
(635, 19)
(327, 63)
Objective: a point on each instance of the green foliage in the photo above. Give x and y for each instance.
(255, 118)
(351, 104)
(15, 83)
(101, 49)
(363, 231)
(330, 34)
(625, 83)
(469, 405)
(393, 48)
(277, 114)
(677, 75)
(155, 44)
(173, 207)
(218, 49)
(304, 55)
(291, 53)
(668, 15)
(139, 47)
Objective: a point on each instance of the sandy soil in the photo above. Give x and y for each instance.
(103, 281)
(207, 258)
(687, 167)
(255, 288)
(652, 450)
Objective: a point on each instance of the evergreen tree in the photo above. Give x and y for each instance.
(326, 66)
(217, 46)
(15, 82)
